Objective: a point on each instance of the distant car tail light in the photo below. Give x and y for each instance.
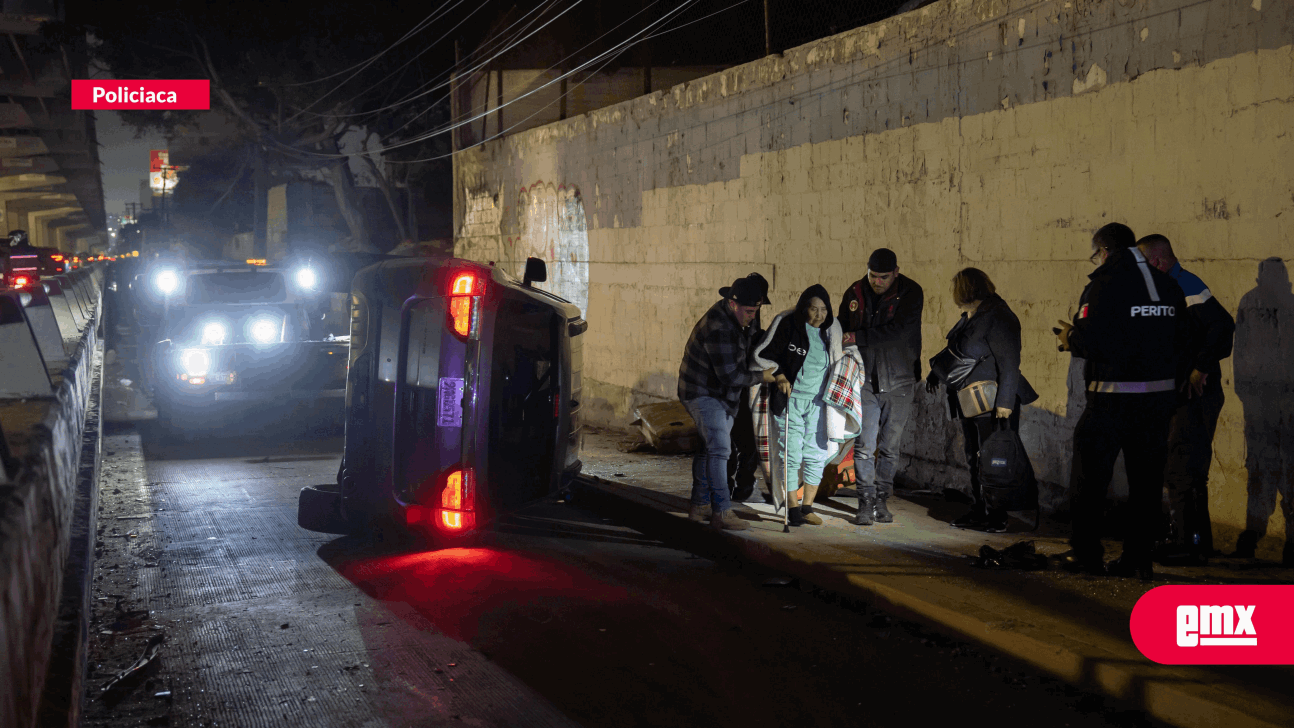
(20, 281)
(462, 303)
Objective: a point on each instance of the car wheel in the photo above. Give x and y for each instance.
(319, 509)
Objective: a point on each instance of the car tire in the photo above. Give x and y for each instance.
(319, 509)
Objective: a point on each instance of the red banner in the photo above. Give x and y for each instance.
(1241, 624)
(161, 95)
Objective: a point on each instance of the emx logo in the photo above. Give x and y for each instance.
(1215, 625)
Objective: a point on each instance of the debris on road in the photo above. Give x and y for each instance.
(129, 679)
(1019, 555)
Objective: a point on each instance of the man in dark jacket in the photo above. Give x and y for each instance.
(744, 461)
(1131, 328)
(881, 314)
(1190, 435)
(712, 379)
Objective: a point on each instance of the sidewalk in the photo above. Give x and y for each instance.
(1071, 626)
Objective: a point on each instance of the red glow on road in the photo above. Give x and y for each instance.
(456, 588)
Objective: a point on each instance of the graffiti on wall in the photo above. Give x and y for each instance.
(551, 226)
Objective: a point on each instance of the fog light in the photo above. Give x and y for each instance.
(196, 362)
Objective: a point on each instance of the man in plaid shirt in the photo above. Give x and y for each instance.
(711, 380)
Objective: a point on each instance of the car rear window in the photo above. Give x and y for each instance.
(249, 287)
(523, 384)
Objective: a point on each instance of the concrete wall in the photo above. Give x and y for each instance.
(998, 134)
(36, 531)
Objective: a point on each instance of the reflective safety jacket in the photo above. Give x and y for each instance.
(1213, 327)
(1131, 327)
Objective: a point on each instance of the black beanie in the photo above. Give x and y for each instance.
(882, 261)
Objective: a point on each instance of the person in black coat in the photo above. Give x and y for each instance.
(989, 332)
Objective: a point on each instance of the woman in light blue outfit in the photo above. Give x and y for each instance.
(802, 344)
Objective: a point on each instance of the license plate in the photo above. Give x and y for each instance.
(450, 403)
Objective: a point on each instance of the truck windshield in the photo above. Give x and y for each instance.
(236, 287)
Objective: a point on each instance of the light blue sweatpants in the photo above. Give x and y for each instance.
(807, 448)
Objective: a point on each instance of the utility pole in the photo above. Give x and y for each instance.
(453, 100)
(768, 29)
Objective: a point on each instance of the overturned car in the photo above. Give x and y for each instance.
(462, 400)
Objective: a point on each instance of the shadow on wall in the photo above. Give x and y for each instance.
(1264, 376)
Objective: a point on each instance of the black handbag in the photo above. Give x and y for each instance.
(950, 366)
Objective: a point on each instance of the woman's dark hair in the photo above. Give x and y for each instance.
(802, 306)
(971, 284)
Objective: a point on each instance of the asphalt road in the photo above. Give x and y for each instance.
(560, 617)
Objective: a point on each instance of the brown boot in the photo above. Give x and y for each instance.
(700, 514)
(806, 512)
(728, 521)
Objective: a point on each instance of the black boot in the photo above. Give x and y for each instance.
(866, 505)
(1126, 565)
(883, 514)
(794, 516)
(1246, 545)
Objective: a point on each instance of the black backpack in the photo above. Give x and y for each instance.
(1005, 473)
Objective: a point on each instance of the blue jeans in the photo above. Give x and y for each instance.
(876, 451)
(710, 466)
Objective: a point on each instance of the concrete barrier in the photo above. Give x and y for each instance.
(46, 496)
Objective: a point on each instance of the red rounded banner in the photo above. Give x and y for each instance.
(1245, 624)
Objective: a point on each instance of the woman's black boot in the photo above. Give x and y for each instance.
(794, 516)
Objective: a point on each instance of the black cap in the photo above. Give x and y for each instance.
(882, 261)
(745, 291)
(761, 285)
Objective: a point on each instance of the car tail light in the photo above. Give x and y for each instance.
(455, 513)
(56, 257)
(456, 501)
(462, 303)
(20, 281)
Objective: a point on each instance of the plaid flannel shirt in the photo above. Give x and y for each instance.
(714, 360)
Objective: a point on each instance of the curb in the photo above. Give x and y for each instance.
(1171, 694)
(60, 703)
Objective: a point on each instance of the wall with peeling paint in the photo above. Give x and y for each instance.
(995, 134)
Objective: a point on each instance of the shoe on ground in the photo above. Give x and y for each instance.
(728, 521)
(1142, 568)
(1246, 545)
(806, 512)
(1181, 556)
(972, 519)
(883, 514)
(866, 509)
(1076, 563)
(699, 514)
(741, 494)
(794, 516)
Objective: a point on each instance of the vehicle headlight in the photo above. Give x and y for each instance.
(214, 333)
(265, 330)
(166, 281)
(196, 362)
(306, 278)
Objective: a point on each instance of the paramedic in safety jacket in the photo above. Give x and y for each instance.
(1132, 329)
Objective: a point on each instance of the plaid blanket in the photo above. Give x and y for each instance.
(844, 417)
